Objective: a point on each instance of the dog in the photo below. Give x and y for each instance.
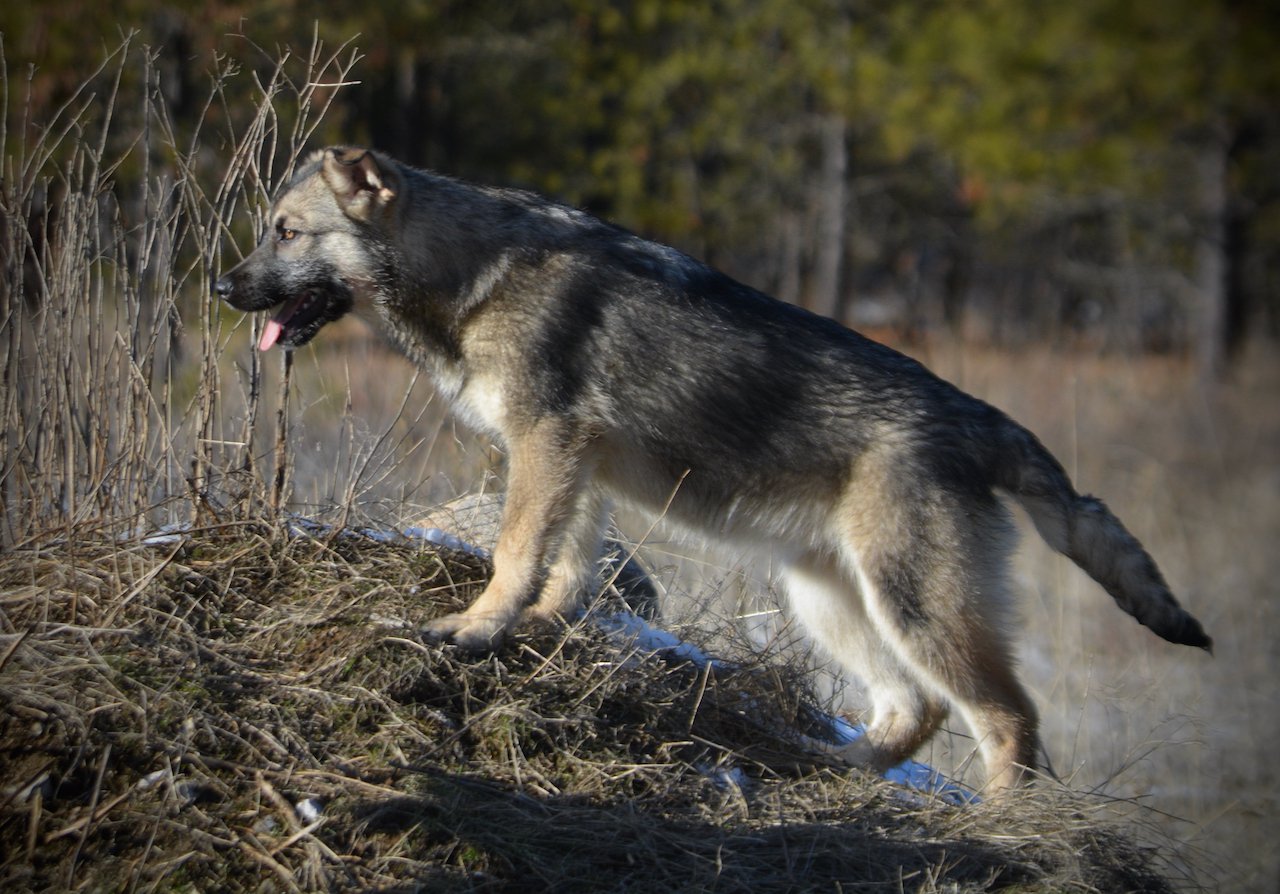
(613, 368)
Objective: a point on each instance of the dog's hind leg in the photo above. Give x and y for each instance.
(905, 712)
(931, 570)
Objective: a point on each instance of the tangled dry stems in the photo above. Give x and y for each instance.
(245, 710)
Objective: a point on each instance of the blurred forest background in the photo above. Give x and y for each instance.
(1096, 172)
(1070, 209)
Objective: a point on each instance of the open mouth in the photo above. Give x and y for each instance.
(293, 318)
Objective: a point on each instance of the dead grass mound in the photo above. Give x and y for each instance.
(245, 710)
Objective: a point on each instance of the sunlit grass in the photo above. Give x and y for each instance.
(130, 401)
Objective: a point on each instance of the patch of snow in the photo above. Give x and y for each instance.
(309, 810)
(726, 778)
(645, 636)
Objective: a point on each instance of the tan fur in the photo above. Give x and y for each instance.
(615, 369)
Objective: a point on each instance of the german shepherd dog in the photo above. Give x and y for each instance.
(610, 367)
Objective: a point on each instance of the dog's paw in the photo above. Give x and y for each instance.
(467, 631)
(860, 754)
(542, 617)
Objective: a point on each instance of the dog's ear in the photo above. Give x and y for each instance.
(361, 186)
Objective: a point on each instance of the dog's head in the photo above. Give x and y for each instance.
(317, 257)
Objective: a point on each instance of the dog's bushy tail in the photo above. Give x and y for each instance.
(1084, 529)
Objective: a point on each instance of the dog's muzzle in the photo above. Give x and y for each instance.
(225, 288)
(297, 316)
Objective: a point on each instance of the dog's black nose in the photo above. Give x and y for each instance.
(223, 287)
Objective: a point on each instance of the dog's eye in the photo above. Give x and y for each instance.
(287, 235)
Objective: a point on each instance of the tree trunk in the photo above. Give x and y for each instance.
(790, 257)
(1210, 337)
(829, 260)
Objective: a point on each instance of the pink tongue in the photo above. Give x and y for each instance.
(269, 335)
(275, 325)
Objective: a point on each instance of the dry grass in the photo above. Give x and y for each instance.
(169, 708)
(166, 707)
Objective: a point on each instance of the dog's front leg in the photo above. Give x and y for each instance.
(546, 473)
(571, 573)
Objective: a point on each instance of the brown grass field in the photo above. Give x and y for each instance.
(238, 708)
